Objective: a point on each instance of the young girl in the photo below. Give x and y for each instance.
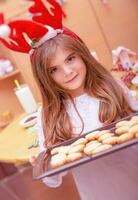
(79, 95)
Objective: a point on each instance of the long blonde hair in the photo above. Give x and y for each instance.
(99, 83)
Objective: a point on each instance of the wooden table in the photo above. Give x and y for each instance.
(14, 143)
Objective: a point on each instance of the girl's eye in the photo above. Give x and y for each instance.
(53, 70)
(71, 58)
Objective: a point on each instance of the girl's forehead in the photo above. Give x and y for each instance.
(60, 55)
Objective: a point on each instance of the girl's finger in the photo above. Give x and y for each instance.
(32, 160)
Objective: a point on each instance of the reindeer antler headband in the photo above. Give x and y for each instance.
(45, 24)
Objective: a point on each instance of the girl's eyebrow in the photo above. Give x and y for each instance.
(71, 54)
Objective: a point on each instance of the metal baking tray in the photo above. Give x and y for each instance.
(42, 168)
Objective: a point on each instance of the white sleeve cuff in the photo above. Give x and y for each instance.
(54, 181)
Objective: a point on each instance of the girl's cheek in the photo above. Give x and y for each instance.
(58, 79)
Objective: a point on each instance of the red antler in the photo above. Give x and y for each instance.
(1, 18)
(51, 16)
(36, 32)
(15, 30)
(16, 35)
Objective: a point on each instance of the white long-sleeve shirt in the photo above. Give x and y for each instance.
(88, 108)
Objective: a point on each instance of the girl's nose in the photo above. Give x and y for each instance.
(67, 70)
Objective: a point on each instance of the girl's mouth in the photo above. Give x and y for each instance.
(72, 79)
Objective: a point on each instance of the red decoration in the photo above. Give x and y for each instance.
(128, 77)
(18, 41)
(118, 67)
(1, 19)
(53, 19)
(36, 30)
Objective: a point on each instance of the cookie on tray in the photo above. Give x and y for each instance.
(92, 142)
(74, 156)
(133, 130)
(104, 136)
(102, 133)
(58, 160)
(88, 150)
(55, 150)
(77, 148)
(121, 130)
(122, 123)
(79, 141)
(133, 123)
(134, 118)
(111, 140)
(60, 149)
(64, 149)
(101, 148)
(125, 137)
(92, 135)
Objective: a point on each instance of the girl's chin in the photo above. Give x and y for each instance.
(74, 88)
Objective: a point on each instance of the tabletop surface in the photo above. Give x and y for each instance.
(15, 143)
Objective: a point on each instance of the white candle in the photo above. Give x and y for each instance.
(26, 99)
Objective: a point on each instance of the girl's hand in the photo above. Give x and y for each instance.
(32, 160)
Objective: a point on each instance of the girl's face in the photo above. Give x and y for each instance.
(68, 70)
